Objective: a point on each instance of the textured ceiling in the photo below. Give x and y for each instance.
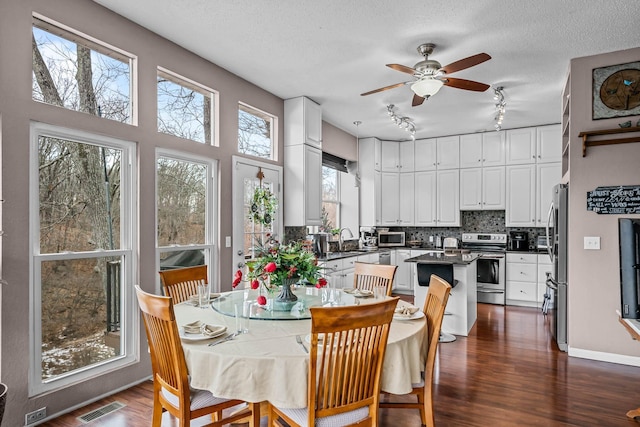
(333, 50)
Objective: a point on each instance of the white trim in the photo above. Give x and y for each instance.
(128, 231)
(620, 359)
(274, 131)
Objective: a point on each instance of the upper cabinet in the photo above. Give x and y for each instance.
(549, 144)
(482, 150)
(303, 122)
(448, 152)
(425, 154)
(542, 144)
(397, 156)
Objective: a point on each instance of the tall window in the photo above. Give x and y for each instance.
(74, 72)
(83, 255)
(256, 132)
(185, 108)
(330, 199)
(184, 199)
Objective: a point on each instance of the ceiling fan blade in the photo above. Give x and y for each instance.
(465, 84)
(383, 88)
(402, 68)
(417, 100)
(465, 63)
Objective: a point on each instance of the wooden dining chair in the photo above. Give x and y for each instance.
(171, 389)
(436, 301)
(369, 276)
(181, 283)
(348, 344)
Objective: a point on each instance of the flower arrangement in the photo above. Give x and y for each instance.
(274, 263)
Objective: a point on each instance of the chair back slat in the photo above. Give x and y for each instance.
(367, 276)
(347, 350)
(181, 283)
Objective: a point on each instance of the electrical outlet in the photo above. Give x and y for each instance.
(35, 416)
(227, 241)
(592, 243)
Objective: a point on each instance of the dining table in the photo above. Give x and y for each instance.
(270, 361)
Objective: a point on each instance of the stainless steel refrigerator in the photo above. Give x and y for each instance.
(557, 225)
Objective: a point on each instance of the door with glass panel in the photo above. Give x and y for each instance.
(257, 209)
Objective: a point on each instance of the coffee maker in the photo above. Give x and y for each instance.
(518, 241)
(369, 238)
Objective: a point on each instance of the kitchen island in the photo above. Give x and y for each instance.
(459, 269)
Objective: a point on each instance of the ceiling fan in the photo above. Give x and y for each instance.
(431, 76)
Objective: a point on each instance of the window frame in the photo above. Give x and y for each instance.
(64, 31)
(273, 136)
(337, 200)
(210, 247)
(128, 248)
(188, 83)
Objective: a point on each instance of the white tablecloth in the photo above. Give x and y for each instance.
(268, 364)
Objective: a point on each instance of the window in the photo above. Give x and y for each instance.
(185, 211)
(256, 132)
(330, 199)
(83, 255)
(185, 109)
(74, 72)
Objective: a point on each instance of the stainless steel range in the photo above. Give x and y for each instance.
(491, 265)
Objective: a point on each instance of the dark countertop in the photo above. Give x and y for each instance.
(441, 258)
(347, 254)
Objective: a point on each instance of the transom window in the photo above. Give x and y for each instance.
(256, 132)
(185, 108)
(75, 72)
(83, 255)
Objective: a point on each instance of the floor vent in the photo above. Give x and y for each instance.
(101, 412)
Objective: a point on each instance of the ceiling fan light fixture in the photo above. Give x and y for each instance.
(427, 87)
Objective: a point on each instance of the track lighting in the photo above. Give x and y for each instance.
(498, 96)
(402, 122)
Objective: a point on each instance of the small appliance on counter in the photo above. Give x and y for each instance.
(320, 244)
(388, 239)
(542, 244)
(369, 238)
(518, 241)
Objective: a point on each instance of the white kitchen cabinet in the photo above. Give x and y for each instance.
(549, 144)
(448, 152)
(482, 149)
(521, 196)
(398, 207)
(547, 176)
(303, 122)
(303, 189)
(370, 181)
(425, 154)
(448, 198)
(482, 188)
(397, 156)
(425, 199)
(403, 280)
(522, 279)
(520, 146)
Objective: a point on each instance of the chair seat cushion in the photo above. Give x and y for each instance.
(199, 399)
(300, 416)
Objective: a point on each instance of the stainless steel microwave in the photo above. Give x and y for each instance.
(388, 239)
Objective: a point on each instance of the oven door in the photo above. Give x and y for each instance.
(491, 279)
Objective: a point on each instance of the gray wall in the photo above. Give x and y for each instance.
(17, 110)
(594, 276)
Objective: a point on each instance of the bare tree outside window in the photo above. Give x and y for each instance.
(330, 199)
(255, 132)
(184, 110)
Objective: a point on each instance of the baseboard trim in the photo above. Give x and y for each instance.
(620, 359)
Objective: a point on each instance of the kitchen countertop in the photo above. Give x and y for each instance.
(441, 258)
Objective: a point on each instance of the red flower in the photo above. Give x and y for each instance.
(270, 268)
(262, 300)
(255, 284)
(237, 278)
(292, 271)
(322, 282)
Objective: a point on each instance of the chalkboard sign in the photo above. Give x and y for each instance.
(614, 200)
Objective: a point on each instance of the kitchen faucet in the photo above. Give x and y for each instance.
(340, 240)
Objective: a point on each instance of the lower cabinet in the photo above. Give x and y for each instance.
(526, 278)
(403, 281)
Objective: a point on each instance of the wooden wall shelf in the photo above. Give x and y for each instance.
(586, 142)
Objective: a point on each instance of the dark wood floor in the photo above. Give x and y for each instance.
(506, 373)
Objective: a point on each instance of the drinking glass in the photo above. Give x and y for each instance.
(203, 295)
(242, 321)
(380, 292)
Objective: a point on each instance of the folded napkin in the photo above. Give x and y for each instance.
(193, 327)
(406, 311)
(358, 292)
(213, 330)
(194, 298)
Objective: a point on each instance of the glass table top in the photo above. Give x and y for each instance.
(308, 296)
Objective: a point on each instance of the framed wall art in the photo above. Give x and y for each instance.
(616, 91)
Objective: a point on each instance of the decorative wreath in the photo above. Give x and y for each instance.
(263, 206)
